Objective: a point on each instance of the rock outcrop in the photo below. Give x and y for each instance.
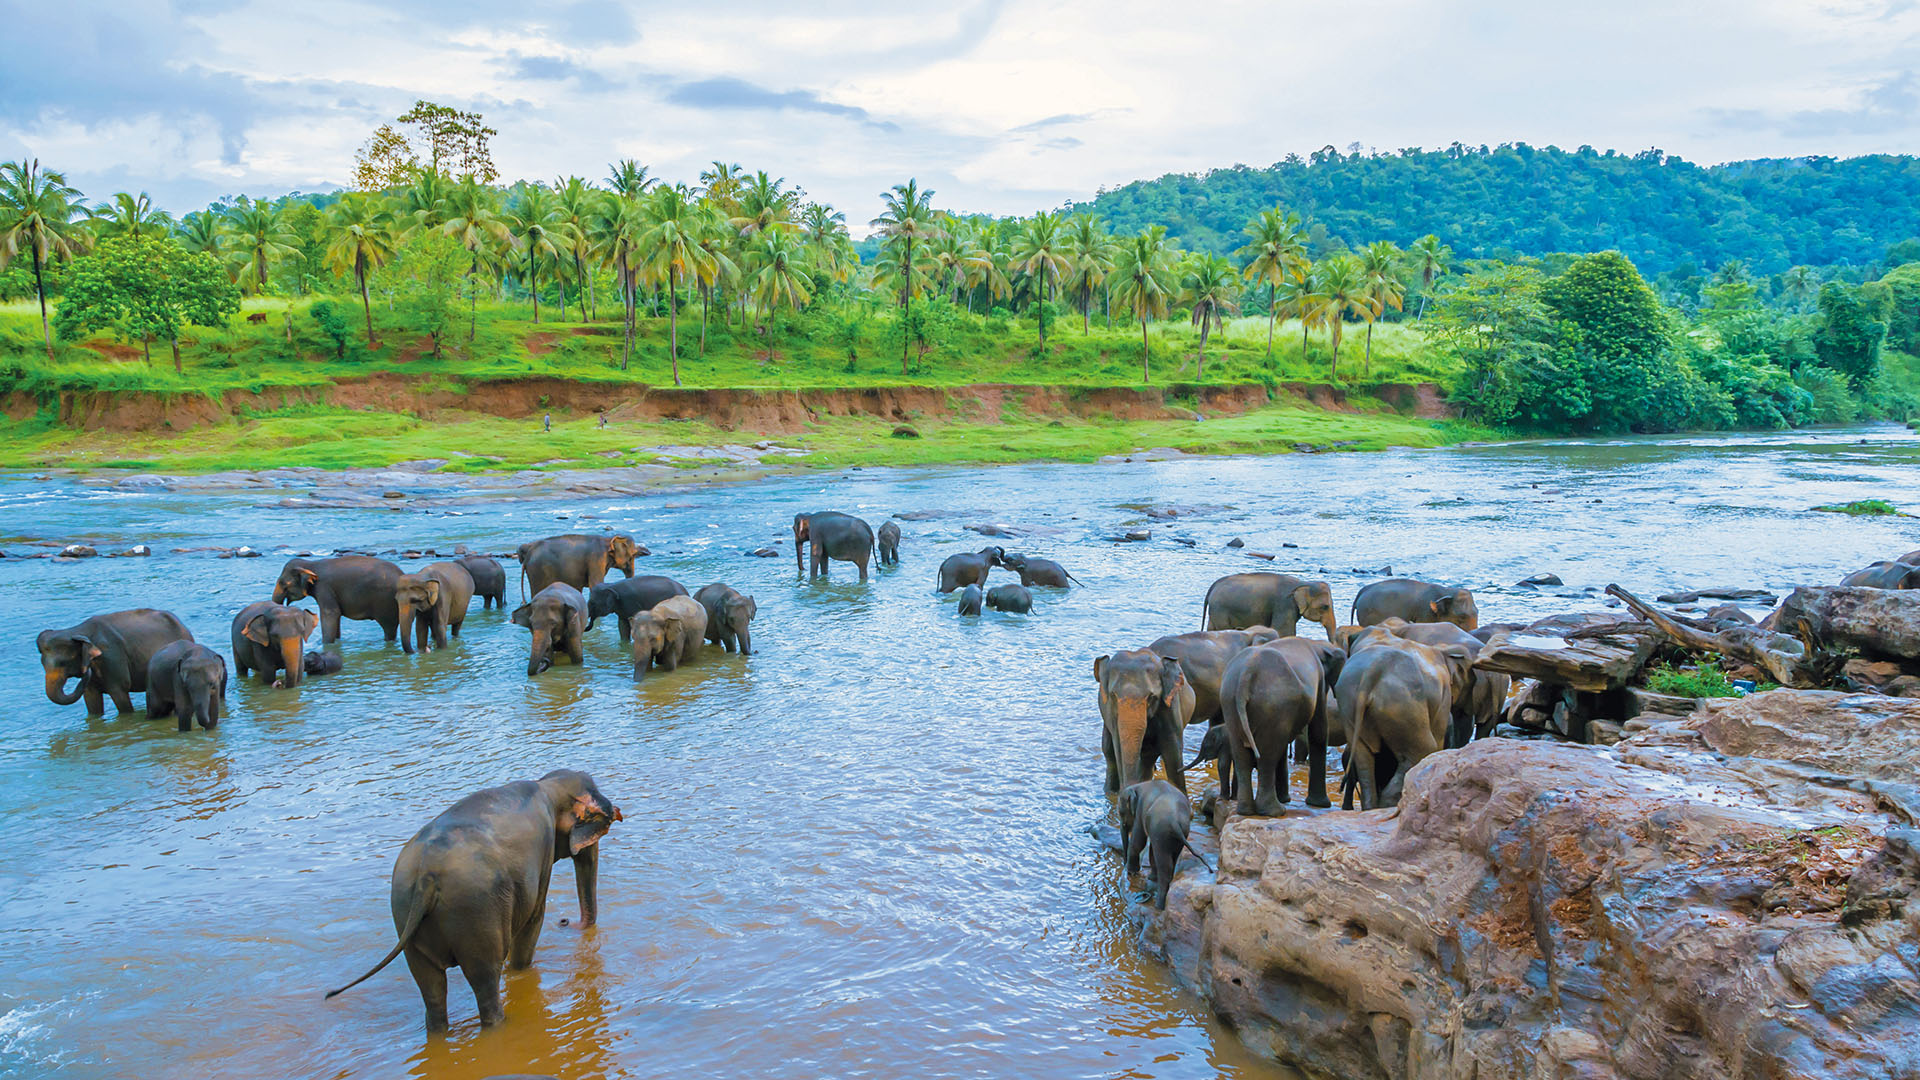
(1724, 894)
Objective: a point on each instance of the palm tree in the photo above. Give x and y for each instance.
(1430, 262)
(616, 232)
(361, 243)
(764, 204)
(1799, 285)
(472, 219)
(259, 238)
(907, 219)
(826, 232)
(1343, 292)
(777, 277)
(201, 231)
(130, 215)
(722, 183)
(628, 179)
(1299, 297)
(1276, 252)
(670, 246)
(422, 203)
(1381, 281)
(1731, 272)
(716, 266)
(1213, 289)
(1041, 253)
(574, 209)
(538, 231)
(1145, 275)
(1089, 260)
(41, 213)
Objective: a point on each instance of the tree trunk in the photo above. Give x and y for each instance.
(1043, 311)
(1107, 303)
(533, 285)
(175, 342)
(1303, 338)
(473, 296)
(366, 302)
(906, 304)
(1333, 358)
(706, 301)
(627, 303)
(146, 348)
(1200, 374)
(1271, 316)
(1146, 355)
(673, 325)
(1366, 362)
(40, 287)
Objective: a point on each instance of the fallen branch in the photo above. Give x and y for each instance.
(1792, 662)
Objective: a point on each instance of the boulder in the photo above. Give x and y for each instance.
(1883, 622)
(1718, 592)
(77, 551)
(1722, 895)
(137, 551)
(1591, 652)
(1539, 579)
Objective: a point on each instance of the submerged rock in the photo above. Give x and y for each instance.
(78, 551)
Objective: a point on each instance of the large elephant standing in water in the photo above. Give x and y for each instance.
(351, 587)
(834, 535)
(1204, 657)
(1416, 602)
(108, 654)
(1145, 700)
(189, 681)
(578, 559)
(433, 602)
(1239, 601)
(270, 638)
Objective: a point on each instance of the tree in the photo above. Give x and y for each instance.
(130, 215)
(1276, 253)
(336, 327)
(1616, 332)
(41, 215)
(1040, 252)
(1799, 285)
(907, 219)
(201, 231)
(1145, 277)
(1213, 289)
(259, 238)
(422, 201)
(1430, 259)
(1849, 338)
(425, 274)
(145, 287)
(830, 247)
(764, 203)
(574, 209)
(628, 179)
(1090, 253)
(777, 277)
(537, 231)
(716, 267)
(1300, 297)
(471, 219)
(457, 143)
(1343, 292)
(361, 244)
(1383, 288)
(385, 161)
(670, 247)
(616, 235)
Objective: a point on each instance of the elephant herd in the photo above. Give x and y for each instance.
(1393, 686)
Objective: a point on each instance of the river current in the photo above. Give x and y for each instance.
(861, 852)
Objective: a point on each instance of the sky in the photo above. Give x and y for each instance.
(998, 107)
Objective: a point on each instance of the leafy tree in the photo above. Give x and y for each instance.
(385, 161)
(1800, 285)
(1495, 324)
(1212, 288)
(1849, 337)
(41, 215)
(336, 327)
(361, 245)
(629, 179)
(145, 287)
(908, 219)
(1430, 261)
(456, 142)
(1276, 253)
(426, 273)
(472, 217)
(131, 215)
(540, 234)
(575, 204)
(1617, 333)
(1301, 297)
(777, 278)
(1145, 278)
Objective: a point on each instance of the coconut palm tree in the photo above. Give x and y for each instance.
(1430, 259)
(130, 215)
(616, 233)
(1041, 252)
(1145, 284)
(832, 249)
(534, 221)
(1299, 297)
(361, 243)
(422, 202)
(721, 182)
(1275, 252)
(1799, 285)
(716, 267)
(670, 248)
(473, 218)
(908, 219)
(259, 239)
(1090, 254)
(575, 204)
(42, 215)
(777, 275)
(1213, 288)
(1343, 292)
(201, 231)
(765, 203)
(628, 179)
(1379, 269)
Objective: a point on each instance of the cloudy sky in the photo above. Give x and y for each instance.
(1000, 107)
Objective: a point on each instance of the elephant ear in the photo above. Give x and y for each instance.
(1099, 668)
(1302, 598)
(1333, 660)
(1172, 678)
(86, 650)
(256, 631)
(576, 620)
(308, 621)
(1459, 662)
(433, 593)
(585, 822)
(753, 608)
(522, 616)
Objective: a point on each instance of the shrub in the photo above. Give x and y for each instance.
(1705, 681)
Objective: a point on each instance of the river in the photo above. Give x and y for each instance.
(859, 853)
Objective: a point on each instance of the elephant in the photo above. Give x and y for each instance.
(321, 663)
(972, 600)
(1416, 602)
(189, 681)
(969, 568)
(1145, 700)
(1394, 696)
(628, 597)
(578, 559)
(489, 579)
(351, 586)
(670, 634)
(1204, 657)
(268, 638)
(1040, 572)
(1280, 601)
(557, 615)
(1480, 702)
(889, 543)
(1155, 817)
(834, 536)
(1891, 574)
(108, 654)
(1009, 598)
(470, 889)
(433, 599)
(729, 615)
(1270, 695)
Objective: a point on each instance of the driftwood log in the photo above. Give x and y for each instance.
(1798, 662)
(1880, 622)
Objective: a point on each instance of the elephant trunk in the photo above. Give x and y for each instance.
(406, 627)
(1131, 738)
(586, 880)
(1330, 624)
(541, 657)
(746, 642)
(56, 687)
(291, 660)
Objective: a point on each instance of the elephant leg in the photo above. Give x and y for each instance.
(485, 981)
(440, 633)
(122, 700)
(1113, 761)
(431, 978)
(626, 631)
(1136, 843)
(1166, 856)
(520, 951)
(1172, 753)
(1272, 777)
(575, 652)
(330, 632)
(391, 628)
(1361, 762)
(862, 563)
(1317, 761)
(1242, 773)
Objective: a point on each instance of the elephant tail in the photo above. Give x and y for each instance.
(1235, 708)
(1206, 605)
(1188, 844)
(423, 899)
(1077, 581)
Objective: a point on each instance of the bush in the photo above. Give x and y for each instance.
(1705, 681)
(1862, 508)
(334, 324)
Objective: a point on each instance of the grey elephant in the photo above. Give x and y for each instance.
(322, 663)
(1280, 601)
(670, 634)
(1145, 701)
(557, 615)
(470, 889)
(972, 600)
(888, 540)
(1204, 657)
(1416, 602)
(349, 587)
(1479, 703)
(1014, 599)
(1155, 817)
(1889, 574)
(834, 535)
(624, 599)
(1270, 696)
(108, 654)
(489, 579)
(432, 604)
(969, 568)
(1040, 572)
(577, 559)
(1394, 696)
(189, 681)
(270, 638)
(729, 617)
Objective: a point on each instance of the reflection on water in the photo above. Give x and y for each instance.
(857, 853)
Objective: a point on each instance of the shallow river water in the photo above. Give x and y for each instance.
(859, 853)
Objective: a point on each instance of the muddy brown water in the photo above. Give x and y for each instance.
(860, 853)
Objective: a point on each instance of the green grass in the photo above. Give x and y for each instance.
(1863, 508)
(1705, 681)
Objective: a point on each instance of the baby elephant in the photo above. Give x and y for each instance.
(1155, 817)
(1040, 572)
(268, 638)
(669, 634)
(189, 681)
(1010, 598)
(728, 615)
(888, 540)
(971, 599)
(321, 663)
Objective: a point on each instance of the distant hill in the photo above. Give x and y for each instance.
(1662, 212)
